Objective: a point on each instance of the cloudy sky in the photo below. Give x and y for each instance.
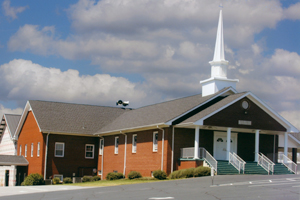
(146, 51)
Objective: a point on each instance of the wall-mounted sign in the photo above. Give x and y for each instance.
(243, 122)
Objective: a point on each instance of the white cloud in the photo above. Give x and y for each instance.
(4, 110)
(293, 117)
(293, 12)
(12, 11)
(22, 80)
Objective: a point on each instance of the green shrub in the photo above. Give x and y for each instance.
(56, 181)
(159, 174)
(86, 179)
(114, 176)
(201, 171)
(96, 178)
(34, 179)
(134, 174)
(68, 180)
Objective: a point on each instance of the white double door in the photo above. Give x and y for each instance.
(220, 144)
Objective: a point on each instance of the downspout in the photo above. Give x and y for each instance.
(46, 156)
(124, 170)
(172, 158)
(102, 158)
(162, 148)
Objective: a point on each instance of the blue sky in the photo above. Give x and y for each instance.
(96, 52)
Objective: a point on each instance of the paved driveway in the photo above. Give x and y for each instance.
(225, 187)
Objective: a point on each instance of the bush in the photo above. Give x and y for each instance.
(56, 181)
(159, 174)
(96, 178)
(34, 179)
(114, 176)
(201, 171)
(68, 180)
(86, 179)
(134, 174)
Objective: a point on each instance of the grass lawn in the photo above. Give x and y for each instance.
(115, 182)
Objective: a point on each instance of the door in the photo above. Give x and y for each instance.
(220, 144)
(6, 177)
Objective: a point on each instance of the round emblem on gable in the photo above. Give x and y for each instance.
(245, 105)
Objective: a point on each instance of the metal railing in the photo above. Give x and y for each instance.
(288, 163)
(203, 154)
(265, 163)
(237, 162)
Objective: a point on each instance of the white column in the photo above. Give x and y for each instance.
(256, 145)
(196, 146)
(285, 144)
(228, 142)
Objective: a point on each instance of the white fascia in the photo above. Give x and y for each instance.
(290, 128)
(229, 89)
(262, 105)
(293, 138)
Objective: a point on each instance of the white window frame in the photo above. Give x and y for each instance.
(20, 153)
(101, 145)
(89, 151)
(38, 149)
(63, 149)
(134, 143)
(25, 150)
(31, 150)
(60, 176)
(99, 172)
(117, 145)
(155, 141)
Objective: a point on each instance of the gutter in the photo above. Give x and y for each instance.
(172, 158)
(162, 148)
(102, 158)
(46, 156)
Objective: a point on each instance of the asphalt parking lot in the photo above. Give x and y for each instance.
(225, 187)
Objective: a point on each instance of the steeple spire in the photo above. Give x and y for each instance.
(218, 79)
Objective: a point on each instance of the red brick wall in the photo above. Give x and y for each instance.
(186, 164)
(30, 134)
(144, 160)
(74, 160)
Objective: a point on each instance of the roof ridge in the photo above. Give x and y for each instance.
(69, 103)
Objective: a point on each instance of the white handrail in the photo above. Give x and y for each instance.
(265, 163)
(237, 162)
(203, 153)
(288, 163)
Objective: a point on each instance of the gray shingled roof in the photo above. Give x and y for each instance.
(12, 122)
(213, 108)
(157, 113)
(73, 118)
(13, 160)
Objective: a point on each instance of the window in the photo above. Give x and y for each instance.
(38, 149)
(101, 145)
(89, 151)
(134, 138)
(25, 150)
(155, 138)
(60, 176)
(31, 150)
(59, 149)
(20, 153)
(116, 145)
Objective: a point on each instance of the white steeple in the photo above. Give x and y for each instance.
(218, 79)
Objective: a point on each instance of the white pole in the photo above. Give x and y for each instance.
(228, 142)
(196, 146)
(286, 143)
(256, 145)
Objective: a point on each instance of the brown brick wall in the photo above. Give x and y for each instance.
(74, 160)
(30, 133)
(185, 164)
(230, 116)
